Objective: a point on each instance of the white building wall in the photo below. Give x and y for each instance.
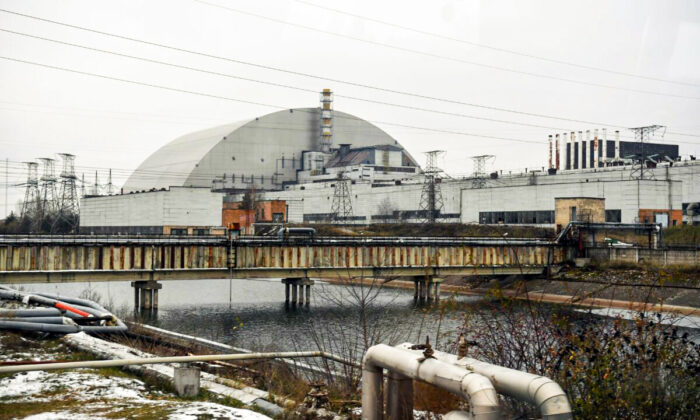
(619, 195)
(178, 206)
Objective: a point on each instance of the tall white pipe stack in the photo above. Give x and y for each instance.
(617, 145)
(572, 144)
(595, 149)
(550, 151)
(556, 154)
(580, 152)
(605, 147)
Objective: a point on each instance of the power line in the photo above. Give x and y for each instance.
(423, 109)
(327, 79)
(209, 95)
(442, 57)
(490, 47)
(281, 85)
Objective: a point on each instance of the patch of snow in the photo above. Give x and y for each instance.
(198, 410)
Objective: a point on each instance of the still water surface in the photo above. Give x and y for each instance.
(252, 314)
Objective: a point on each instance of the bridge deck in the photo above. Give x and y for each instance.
(88, 258)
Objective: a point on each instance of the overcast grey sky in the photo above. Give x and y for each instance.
(111, 124)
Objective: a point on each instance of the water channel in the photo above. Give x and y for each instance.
(252, 314)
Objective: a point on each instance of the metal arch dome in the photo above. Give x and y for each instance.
(249, 147)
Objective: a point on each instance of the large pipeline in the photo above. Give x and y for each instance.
(542, 392)
(65, 315)
(403, 367)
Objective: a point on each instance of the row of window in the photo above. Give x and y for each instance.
(533, 217)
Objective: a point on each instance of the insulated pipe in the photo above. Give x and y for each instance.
(549, 398)
(477, 389)
(59, 320)
(28, 298)
(43, 327)
(10, 313)
(172, 359)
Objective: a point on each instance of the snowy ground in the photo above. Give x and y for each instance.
(90, 394)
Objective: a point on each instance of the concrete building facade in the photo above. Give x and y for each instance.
(150, 212)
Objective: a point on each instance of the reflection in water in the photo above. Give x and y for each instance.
(256, 317)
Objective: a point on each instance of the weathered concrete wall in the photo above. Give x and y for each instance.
(175, 207)
(111, 257)
(624, 195)
(646, 255)
(395, 256)
(587, 210)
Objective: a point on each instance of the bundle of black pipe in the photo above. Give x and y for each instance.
(65, 315)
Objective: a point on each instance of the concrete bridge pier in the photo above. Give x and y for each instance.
(300, 290)
(146, 294)
(426, 288)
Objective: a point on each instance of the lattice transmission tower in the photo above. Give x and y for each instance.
(32, 197)
(47, 189)
(431, 197)
(341, 208)
(641, 135)
(479, 180)
(68, 202)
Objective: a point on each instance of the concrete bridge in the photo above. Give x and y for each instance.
(146, 260)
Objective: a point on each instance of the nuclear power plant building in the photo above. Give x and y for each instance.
(322, 165)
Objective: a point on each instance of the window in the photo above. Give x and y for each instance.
(573, 214)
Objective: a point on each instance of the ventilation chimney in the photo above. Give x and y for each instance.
(326, 120)
(605, 147)
(617, 146)
(550, 151)
(557, 153)
(595, 149)
(582, 147)
(572, 146)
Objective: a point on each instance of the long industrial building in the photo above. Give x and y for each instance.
(323, 165)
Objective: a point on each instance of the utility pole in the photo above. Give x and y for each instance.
(431, 196)
(479, 180)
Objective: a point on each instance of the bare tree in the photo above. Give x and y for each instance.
(387, 209)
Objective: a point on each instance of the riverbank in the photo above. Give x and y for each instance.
(93, 393)
(635, 289)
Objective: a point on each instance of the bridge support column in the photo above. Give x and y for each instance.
(300, 290)
(415, 289)
(146, 294)
(436, 284)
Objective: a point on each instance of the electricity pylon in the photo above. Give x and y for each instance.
(431, 196)
(341, 208)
